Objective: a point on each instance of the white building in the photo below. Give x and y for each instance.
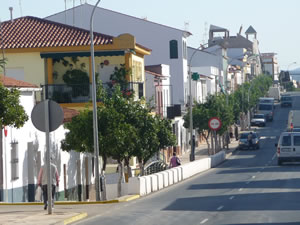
(23, 151)
(158, 88)
(270, 64)
(168, 44)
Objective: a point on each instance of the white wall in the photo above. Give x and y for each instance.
(151, 35)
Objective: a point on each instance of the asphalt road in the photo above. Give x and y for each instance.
(248, 188)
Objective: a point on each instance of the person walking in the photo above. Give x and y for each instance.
(174, 161)
(43, 179)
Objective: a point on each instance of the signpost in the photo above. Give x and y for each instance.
(215, 124)
(47, 116)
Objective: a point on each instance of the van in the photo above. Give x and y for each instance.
(267, 109)
(293, 120)
(288, 147)
(286, 100)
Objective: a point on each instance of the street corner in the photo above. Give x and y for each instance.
(75, 218)
(128, 198)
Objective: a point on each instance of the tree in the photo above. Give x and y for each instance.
(11, 112)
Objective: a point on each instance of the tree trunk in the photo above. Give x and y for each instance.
(103, 178)
(121, 177)
(141, 164)
(207, 142)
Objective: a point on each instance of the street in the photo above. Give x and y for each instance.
(248, 188)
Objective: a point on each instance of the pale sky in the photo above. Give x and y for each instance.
(276, 21)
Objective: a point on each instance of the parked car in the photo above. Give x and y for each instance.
(288, 147)
(259, 120)
(243, 140)
(286, 100)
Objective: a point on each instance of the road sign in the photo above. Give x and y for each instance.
(56, 116)
(214, 123)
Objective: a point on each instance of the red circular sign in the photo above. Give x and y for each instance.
(214, 123)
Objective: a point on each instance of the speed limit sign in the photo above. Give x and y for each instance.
(214, 123)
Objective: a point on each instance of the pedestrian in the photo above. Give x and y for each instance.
(43, 180)
(174, 161)
(236, 132)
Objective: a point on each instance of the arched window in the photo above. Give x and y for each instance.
(173, 49)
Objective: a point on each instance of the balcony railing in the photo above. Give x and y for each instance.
(81, 93)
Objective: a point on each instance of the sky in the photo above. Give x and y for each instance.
(275, 21)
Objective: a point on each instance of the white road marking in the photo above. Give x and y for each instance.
(204, 221)
(232, 197)
(220, 207)
(240, 189)
(253, 177)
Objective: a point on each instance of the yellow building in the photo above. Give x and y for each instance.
(57, 56)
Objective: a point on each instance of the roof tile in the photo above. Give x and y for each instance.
(11, 82)
(33, 32)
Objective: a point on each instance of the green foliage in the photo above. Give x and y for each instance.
(125, 128)
(79, 80)
(120, 77)
(228, 107)
(2, 63)
(11, 112)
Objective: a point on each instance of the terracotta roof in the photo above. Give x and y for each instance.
(69, 114)
(32, 32)
(11, 82)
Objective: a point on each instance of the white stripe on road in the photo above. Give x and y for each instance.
(240, 189)
(253, 177)
(232, 197)
(204, 221)
(220, 207)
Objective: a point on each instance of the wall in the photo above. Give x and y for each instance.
(151, 35)
(32, 64)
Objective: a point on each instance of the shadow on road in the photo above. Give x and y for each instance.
(248, 202)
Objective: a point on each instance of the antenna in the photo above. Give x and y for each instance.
(186, 26)
(240, 31)
(204, 40)
(20, 5)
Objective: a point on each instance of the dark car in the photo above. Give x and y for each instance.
(243, 140)
(286, 101)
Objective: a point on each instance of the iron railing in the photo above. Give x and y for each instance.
(81, 93)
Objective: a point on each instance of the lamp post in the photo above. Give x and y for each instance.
(95, 120)
(192, 155)
(249, 105)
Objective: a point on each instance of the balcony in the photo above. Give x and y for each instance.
(82, 93)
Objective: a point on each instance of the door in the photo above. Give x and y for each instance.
(296, 141)
(286, 146)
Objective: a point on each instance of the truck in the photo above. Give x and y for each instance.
(286, 101)
(274, 92)
(293, 120)
(267, 109)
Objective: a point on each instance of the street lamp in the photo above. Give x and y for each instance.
(192, 155)
(249, 105)
(95, 120)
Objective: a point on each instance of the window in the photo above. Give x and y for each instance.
(286, 141)
(297, 140)
(173, 49)
(141, 90)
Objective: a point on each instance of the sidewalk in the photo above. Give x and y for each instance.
(70, 212)
(202, 152)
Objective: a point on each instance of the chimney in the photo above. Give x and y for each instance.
(11, 13)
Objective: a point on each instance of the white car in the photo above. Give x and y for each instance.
(258, 120)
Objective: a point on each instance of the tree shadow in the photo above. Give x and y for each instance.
(292, 183)
(244, 202)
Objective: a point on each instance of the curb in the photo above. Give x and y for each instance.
(122, 199)
(75, 218)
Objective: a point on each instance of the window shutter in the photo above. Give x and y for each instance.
(173, 49)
